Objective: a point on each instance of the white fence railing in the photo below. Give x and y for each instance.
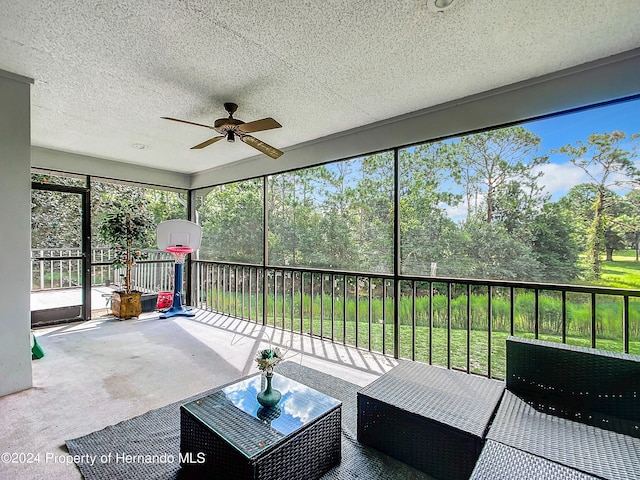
(56, 268)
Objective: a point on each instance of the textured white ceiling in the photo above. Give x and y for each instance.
(106, 71)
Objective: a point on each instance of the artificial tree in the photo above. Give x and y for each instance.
(127, 226)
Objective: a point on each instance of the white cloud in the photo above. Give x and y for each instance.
(457, 213)
(559, 178)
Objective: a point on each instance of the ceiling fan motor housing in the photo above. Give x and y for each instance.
(221, 125)
(227, 126)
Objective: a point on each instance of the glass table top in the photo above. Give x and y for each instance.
(234, 413)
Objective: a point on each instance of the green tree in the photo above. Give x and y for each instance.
(162, 205)
(166, 205)
(488, 251)
(500, 177)
(294, 237)
(630, 222)
(608, 165)
(615, 223)
(231, 218)
(491, 165)
(56, 220)
(427, 235)
(337, 194)
(127, 227)
(554, 245)
(374, 207)
(577, 204)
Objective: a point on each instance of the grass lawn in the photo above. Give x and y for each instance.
(623, 272)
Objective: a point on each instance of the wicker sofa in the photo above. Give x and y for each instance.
(568, 412)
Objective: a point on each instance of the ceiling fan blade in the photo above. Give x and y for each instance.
(259, 125)
(190, 123)
(207, 143)
(263, 147)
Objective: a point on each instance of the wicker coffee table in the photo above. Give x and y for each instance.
(230, 435)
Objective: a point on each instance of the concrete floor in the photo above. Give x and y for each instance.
(103, 371)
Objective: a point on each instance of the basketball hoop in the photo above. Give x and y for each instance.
(180, 238)
(179, 252)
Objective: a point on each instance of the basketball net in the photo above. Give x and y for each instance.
(179, 257)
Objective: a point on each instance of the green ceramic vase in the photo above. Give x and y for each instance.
(269, 397)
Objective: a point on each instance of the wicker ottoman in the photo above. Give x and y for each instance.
(228, 435)
(429, 417)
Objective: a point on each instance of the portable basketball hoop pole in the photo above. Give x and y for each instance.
(179, 237)
(177, 309)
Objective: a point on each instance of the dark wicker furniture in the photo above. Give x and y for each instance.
(429, 417)
(501, 462)
(574, 406)
(227, 434)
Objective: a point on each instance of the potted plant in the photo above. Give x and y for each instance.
(127, 226)
(267, 360)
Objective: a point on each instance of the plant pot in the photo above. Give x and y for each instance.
(126, 305)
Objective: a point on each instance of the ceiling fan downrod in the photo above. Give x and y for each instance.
(230, 108)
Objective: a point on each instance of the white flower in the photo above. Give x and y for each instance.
(268, 358)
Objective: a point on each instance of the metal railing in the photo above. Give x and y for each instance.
(456, 323)
(49, 268)
(56, 268)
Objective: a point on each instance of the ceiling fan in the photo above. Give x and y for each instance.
(230, 128)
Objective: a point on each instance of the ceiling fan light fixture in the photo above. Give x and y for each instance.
(231, 136)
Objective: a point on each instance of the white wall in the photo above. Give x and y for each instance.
(103, 168)
(15, 233)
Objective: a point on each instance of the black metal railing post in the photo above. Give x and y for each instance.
(86, 252)
(265, 245)
(468, 366)
(396, 253)
(625, 324)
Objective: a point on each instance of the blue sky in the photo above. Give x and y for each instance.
(560, 175)
(555, 132)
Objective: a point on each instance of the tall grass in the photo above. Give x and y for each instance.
(373, 325)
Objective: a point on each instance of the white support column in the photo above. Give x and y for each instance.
(15, 233)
